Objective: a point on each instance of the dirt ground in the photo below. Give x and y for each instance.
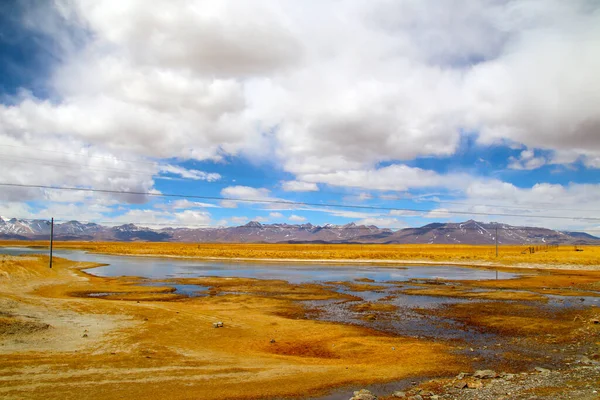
(144, 342)
(67, 334)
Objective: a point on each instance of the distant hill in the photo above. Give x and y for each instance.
(468, 232)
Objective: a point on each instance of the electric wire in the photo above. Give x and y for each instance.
(295, 203)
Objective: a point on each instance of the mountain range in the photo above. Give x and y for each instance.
(468, 232)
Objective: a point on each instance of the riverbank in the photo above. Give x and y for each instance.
(57, 342)
(65, 332)
(480, 256)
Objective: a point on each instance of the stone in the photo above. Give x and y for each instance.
(460, 385)
(485, 374)
(434, 397)
(474, 385)
(462, 375)
(416, 397)
(542, 370)
(399, 394)
(363, 394)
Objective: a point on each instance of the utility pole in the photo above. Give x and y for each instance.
(496, 241)
(51, 239)
(496, 249)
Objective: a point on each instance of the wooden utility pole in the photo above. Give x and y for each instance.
(51, 239)
(496, 241)
(496, 249)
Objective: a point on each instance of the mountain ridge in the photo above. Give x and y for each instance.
(467, 232)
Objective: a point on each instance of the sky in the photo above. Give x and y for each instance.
(394, 113)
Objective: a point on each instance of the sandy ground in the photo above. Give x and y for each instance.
(56, 343)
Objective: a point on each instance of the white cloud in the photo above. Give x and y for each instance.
(187, 204)
(296, 186)
(160, 219)
(190, 173)
(330, 90)
(439, 213)
(423, 74)
(238, 220)
(246, 192)
(527, 160)
(296, 218)
(568, 206)
(383, 222)
(275, 215)
(393, 177)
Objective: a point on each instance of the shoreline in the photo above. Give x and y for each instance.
(394, 263)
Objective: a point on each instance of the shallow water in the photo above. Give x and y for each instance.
(162, 268)
(406, 320)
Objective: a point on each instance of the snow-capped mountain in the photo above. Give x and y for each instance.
(468, 232)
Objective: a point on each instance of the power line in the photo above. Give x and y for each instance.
(157, 164)
(293, 203)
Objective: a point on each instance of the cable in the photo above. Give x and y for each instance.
(155, 163)
(292, 203)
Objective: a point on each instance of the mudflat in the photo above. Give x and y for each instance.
(65, 333)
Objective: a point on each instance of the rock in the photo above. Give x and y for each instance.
(485, 374)
(462, 375)
(474, 385)
(434, 397)
(272, 341)
(399, 394)
(85, 335)
(460, 385)
(363, 394)
(416, 397)
(542, 370)
(586, 360)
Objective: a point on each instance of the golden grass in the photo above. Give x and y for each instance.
(149, 345)
(458, 254)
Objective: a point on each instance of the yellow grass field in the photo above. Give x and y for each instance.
(457, 254)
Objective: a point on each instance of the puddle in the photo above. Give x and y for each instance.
(184, 290)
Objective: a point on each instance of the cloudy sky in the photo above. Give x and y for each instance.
(416, 110)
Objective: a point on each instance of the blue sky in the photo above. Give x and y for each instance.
(459, 113)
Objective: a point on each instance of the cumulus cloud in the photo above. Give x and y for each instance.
(160, 219)
(542, 204)
(296, 186)
(190, 173)
(296, 218)
(383, 222)
(393, 177)
(424, 74)
(526, 160)
(330, 90)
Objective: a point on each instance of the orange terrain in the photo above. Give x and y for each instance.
(58, 342)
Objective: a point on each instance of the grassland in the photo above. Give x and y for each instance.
(56, 342)
(586, 256)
